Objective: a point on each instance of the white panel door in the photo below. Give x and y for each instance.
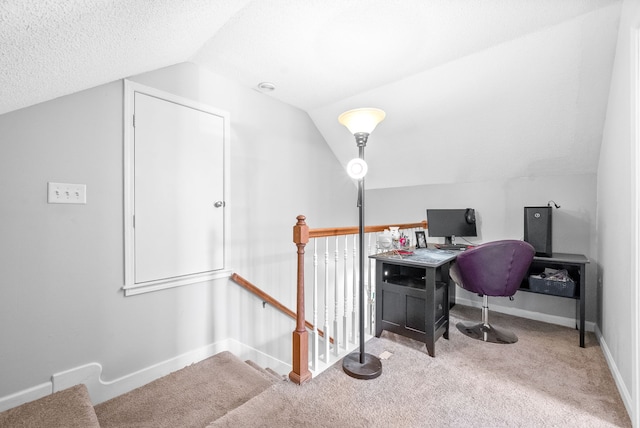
(179, 176)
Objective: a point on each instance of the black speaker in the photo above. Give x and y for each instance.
(537, 229)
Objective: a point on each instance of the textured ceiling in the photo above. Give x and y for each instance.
(50, 48)
(473, 89)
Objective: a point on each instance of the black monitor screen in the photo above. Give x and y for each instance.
(451, 222)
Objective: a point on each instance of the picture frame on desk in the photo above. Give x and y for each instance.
(421, 239)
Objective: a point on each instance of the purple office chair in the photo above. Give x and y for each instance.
(492, 269)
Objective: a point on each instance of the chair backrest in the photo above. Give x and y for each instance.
(493, 269)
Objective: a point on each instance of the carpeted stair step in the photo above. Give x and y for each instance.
(267, 371)
(193, 396)
(278, 376)
(69, 408)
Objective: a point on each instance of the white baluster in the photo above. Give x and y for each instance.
(335, 300)
(314, 342)
(326, 300)
(345, 293)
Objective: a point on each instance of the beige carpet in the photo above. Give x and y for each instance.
(190, 397)
(543, 380)
(69, 408)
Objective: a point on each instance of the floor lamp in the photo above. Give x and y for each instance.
(361, 122)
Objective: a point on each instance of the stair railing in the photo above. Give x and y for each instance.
(327, 281)
(267, 298)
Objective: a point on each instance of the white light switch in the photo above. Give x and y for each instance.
(66, 193)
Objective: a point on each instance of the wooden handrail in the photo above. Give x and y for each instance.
(271, 300)
(339, 231)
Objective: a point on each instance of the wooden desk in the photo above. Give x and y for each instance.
(412, 294)
(575, 264)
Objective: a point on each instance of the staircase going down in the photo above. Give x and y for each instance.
(194, 396)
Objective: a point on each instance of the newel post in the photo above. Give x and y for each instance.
(300, 372)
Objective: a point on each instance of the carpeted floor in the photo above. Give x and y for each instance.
(543, 380)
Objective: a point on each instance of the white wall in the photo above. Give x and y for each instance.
(61, 305)
(616, 204)
(499, 209)
(280, 167)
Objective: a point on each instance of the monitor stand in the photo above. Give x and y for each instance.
(449, 244)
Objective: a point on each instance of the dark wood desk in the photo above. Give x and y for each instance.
(412, 294)
(575, 264)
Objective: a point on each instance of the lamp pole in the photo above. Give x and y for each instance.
(361, 365)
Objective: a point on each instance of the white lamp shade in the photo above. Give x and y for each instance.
(362, 119)
(357, 168)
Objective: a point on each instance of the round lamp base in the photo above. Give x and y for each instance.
(370, 369)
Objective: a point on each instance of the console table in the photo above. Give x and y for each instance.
(412, 294)
(575, 265)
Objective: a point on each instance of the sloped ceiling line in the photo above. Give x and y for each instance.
(488, 89)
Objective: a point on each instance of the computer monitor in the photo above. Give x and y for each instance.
(449, 223)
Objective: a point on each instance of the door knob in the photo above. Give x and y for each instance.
(219, 204)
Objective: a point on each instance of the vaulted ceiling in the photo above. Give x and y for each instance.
(473, 90)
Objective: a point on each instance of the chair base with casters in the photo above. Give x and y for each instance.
(492, 269)
(485, 331)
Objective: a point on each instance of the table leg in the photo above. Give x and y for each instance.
(444, 276)
(430, 301)
(582, 303)
(378, 299)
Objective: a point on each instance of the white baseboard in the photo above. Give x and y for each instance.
(245, 353)
(613, 368)
(100, 390)
(522, 313)
(13, 400)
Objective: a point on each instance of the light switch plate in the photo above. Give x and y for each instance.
(66, 193)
